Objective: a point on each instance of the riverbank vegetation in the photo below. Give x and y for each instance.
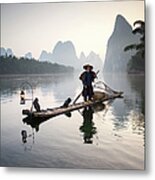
(137, 62)
(14, 65)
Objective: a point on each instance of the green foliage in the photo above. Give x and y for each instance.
(130, 47)
(137, 62)
(14, 65)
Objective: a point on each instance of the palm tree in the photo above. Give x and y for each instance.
(141, 46)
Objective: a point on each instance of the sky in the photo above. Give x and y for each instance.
(39, 26)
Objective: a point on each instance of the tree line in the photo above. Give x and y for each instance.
(14, 65)
(137, 62)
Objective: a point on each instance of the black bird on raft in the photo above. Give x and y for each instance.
(36, 105)
(67, 102)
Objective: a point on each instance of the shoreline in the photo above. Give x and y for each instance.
(33, 75)
(60, 74)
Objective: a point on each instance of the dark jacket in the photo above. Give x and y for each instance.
(88, 77)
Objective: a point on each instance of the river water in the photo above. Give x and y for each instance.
(112, 138)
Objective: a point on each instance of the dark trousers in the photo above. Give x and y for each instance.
(87, 92)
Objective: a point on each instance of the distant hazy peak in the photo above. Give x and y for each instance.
(6, 52)
(67, 44)
(2, 51)
(28, 55)
(59, 43)
(45, 56)
(43, 52)
(92, 53)
(2, 48)
(82, 55)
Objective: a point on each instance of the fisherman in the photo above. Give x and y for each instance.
(36, 104)
(87, 77)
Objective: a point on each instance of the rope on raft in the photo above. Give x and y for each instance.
(105, 87)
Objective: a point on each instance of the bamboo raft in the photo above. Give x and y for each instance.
(49, 113)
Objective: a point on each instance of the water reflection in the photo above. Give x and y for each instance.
(34, 122)
(131, 109)
(138, 85)
(24, 136)
(58, 83)
(137, 115)
(28, 140)
(122, 118)
(88, 129)
(137, 121)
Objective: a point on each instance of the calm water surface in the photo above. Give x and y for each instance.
(112, 138)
